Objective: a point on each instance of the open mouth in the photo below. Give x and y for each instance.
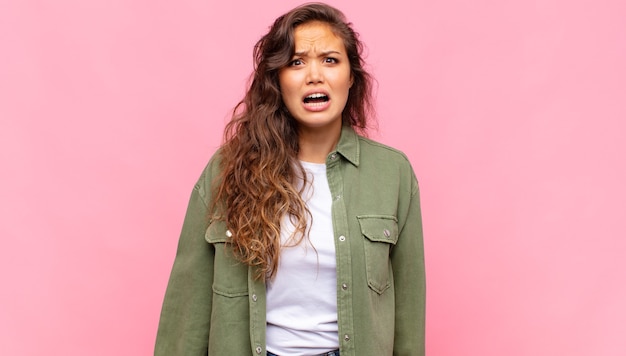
(317, 98)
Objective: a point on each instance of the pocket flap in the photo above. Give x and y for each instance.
(379, 228)
(216, 232)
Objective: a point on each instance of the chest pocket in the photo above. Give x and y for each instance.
(381, 234)
(230, 277)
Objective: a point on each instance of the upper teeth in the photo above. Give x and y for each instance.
(316, 95)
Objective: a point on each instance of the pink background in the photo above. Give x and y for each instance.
(512, 113)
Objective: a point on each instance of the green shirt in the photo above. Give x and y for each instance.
(213, 305)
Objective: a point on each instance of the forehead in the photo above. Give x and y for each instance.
(317, 36)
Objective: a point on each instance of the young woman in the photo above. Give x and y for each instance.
(302, 237)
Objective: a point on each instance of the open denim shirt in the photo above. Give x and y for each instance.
(213, 304)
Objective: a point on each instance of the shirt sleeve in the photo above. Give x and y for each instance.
(407, 259)
(185, 316)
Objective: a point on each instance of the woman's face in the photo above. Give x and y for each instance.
(315, 85)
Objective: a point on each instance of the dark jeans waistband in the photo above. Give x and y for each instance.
(329, 353)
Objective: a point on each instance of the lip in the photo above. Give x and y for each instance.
(315, 107)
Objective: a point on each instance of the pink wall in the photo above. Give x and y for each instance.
(512, 112)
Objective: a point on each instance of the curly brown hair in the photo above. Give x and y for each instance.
(259, 163)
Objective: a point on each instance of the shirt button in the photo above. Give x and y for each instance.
(346, 337)
(228, 233)
(254, 297)
(344, 286)
(333, 156)
(387, 233)
(258, 349)
(337, 197)
(342, 238)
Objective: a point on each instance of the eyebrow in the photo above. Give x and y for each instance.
(324, 53)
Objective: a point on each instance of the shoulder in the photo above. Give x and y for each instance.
(209, 174)
(213, 167)
(376, 151)
(387, 163)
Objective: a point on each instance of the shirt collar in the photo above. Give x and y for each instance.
(348, 145)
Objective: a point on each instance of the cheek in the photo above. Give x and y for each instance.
(345, 78)
(287, 87)
(347, 84)
(289, 96)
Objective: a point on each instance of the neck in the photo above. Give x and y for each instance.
(316, 145)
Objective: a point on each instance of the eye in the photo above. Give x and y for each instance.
(330, 60)
(295, 62)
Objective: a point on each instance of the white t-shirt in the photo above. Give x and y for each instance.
(302, 299)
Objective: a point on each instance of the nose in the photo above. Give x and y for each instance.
(314, 74)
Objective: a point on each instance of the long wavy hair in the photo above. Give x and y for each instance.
(259, 164)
